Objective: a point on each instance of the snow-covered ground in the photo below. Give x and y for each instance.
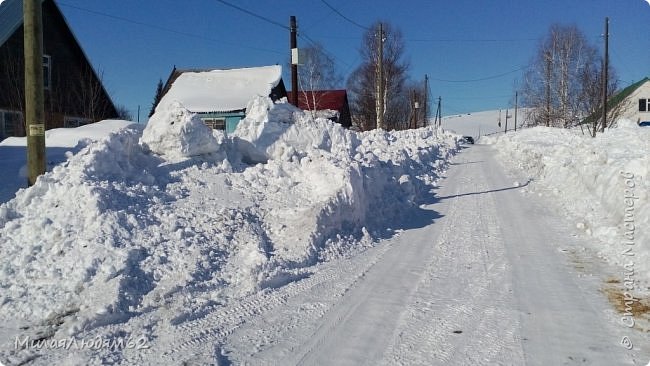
(601, 184)
(295, 241)
(484, 123)
(142, 223)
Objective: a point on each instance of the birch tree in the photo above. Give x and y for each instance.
(562, 81)
(362, 83)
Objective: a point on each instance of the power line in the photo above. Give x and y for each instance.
(326, 52)
(469, 40)
(270, 21)
(169, 30)
(344, 17)
(481, 79)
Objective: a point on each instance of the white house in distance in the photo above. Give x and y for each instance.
(220, 96)
(633, 102)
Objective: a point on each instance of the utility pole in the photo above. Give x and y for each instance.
(605, 76)
(426, 100)
(506, 127)
(34, 94)
(548, 89)
(379, 103)
(516, 105)
(294, 60)
(439, 111)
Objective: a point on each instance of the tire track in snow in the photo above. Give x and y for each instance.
(473, 325)
(197, 337)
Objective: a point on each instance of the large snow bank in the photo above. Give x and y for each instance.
(601, 182)
(59, 143)
(118, 230)
(175, 132)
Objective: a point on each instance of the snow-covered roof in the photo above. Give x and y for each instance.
(222, 90)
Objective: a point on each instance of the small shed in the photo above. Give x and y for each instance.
(333, 100)
(219, 96)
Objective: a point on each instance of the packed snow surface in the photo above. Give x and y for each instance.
(601, 183)
(136, 222)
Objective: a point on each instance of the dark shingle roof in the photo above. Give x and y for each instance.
(11, 17)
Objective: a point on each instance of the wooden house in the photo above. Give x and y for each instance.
(220, 96)
(74, 95)
(633, 102)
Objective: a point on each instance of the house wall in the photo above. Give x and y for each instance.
(630, 106)
(231, 118)
(74, 89)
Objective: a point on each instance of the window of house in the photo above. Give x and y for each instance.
(47, 71)
(10, 122)
(75, 121)
(216, 123)
(644, 105)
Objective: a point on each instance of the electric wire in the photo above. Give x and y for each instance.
(481, 79)
(164, 29)
(344, 17)
(270, 21)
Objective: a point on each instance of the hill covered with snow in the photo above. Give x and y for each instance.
(483, 123)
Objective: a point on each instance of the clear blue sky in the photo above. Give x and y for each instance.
(136, 43)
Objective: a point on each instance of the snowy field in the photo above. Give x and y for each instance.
(601, 185)
(177, 221)
(483, 123)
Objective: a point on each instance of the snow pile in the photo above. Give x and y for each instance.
(59, 143)
(602, 183)
(175, 132)
(118, 230)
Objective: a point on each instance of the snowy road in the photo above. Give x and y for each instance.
(487, 283)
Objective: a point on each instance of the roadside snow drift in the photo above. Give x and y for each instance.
(177, 217)
(601, 182)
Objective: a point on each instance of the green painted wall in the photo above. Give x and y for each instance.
(232, 118)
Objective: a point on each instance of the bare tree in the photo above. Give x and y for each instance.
(562, 81)
(90, 92)
(362, 83)
(416, 102)
(316, 73)
(12, 90)
(123, 113)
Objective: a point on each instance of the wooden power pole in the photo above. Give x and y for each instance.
(34, 94)
(425, 113)
(379, 103)
(516, 106)
(547, 55)
(294, 60)
(605, 76)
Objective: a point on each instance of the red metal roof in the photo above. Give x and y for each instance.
(325, 99)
